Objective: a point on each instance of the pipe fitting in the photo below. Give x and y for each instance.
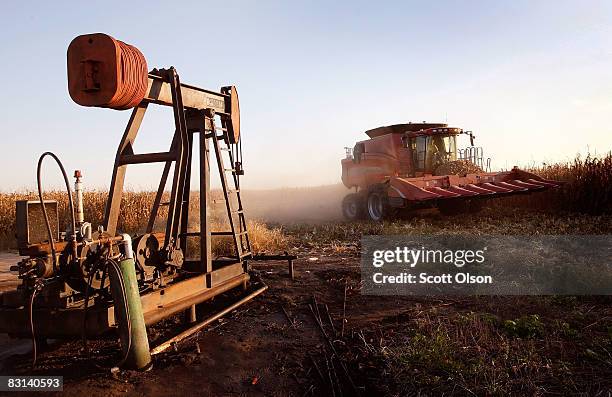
(85, 231)
(78, 190)
(127, 246)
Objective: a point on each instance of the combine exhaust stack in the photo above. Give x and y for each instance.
(412, 166)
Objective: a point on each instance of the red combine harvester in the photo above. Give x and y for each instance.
(417, 165)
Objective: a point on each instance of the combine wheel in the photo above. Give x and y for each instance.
(378, 206)
(353, 207)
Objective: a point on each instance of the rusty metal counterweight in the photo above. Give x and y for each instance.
(105, 72)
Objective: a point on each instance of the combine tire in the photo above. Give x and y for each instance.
(353, 207)
(378, 207)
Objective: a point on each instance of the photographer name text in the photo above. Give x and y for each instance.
(425, 278)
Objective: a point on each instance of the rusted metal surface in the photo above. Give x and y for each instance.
(30, 228)
(234, 110)
(205, 230)
(177, 194)
(159, 92)
(111, 213)
(184, 294)
(106, 72)
(181, 150)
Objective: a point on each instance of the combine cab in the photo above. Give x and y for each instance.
(418, 165)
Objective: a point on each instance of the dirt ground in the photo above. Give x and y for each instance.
(363, 345)
(255, 350)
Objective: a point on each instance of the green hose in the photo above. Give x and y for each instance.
(128, 312)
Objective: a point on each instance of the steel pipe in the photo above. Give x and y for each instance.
(165, 345)
(159, 313)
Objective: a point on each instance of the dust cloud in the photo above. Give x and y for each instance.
(295, 205)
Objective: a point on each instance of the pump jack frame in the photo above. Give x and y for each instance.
(187, 123)
(205, 278)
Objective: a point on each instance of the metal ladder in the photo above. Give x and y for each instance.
(238, 231)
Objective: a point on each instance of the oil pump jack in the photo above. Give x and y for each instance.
(86, 281)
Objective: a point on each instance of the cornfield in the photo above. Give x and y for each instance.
(134, 216)
(587, 188)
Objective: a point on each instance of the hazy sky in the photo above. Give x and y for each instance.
(531, 78)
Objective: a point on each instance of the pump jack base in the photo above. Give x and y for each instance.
(156, 305)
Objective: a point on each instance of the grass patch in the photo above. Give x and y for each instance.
(529, 326)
